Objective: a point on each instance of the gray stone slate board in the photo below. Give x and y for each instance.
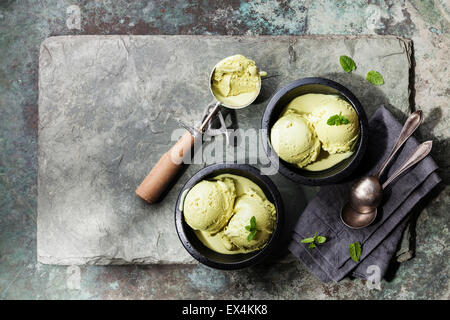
(108, 106)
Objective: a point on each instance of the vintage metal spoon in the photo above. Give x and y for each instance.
(366, 193)
(356, 220)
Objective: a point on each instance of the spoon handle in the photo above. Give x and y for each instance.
(421, 152)
(411, 124)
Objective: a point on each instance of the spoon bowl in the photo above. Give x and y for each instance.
(357, 220)
(366, 194)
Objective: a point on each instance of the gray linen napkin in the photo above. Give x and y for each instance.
(331, 260)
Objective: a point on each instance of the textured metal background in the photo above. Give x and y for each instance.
(25, 24)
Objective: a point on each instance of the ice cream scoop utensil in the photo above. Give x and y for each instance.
(170, 163)
(366, 193)
(356, 220)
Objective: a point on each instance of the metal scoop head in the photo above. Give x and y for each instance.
(235, 102)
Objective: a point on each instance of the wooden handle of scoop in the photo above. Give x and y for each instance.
(165, 170)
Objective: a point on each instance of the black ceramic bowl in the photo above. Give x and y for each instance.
(225, 261)
(281, 99)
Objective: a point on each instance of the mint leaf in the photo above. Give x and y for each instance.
(332, 120)
(251, 235)
(253, 222)
(314, 240)
(347, 63)
(355, 251)
(251, 228)
(337, 120)
(375, 78)
(321, 239)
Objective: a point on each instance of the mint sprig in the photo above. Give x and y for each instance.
(337, 120)
(314, 240)
(355, 251)
(251, 228)
(374, 78)
(347, 63)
